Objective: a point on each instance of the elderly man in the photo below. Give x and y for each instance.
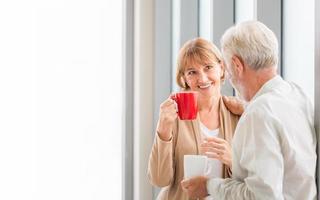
(274, 147)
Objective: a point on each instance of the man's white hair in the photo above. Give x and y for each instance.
(253, 42)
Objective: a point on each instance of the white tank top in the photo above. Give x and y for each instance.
(216, 165)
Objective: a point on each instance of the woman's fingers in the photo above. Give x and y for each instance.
(219, 156)
(216, 140)
(214, 145)
(213, 155)
(168, 102)
(212, 149)
(168, 107)
(217, 148)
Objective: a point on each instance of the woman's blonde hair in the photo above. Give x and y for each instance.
(196, 51)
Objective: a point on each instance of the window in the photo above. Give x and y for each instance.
(298, 40)
(245, 10)
(61, 100)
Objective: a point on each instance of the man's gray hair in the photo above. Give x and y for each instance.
(253, 42)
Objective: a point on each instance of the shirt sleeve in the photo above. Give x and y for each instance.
(258, 165)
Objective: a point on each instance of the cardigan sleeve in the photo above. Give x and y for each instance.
(161, 161)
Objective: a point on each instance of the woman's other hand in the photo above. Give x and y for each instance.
(167, 116)
(234, 105)
(217, 148)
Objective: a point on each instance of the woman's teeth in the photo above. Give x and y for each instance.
(204, 86)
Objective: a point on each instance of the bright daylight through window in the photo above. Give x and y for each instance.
(61, 100)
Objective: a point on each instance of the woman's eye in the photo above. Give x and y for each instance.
(191, 72)
(209, 67)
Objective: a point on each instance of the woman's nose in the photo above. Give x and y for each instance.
(203, 77)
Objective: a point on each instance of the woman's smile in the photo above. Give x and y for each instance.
(204, 86)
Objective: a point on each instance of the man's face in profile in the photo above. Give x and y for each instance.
(232, 76)
(230, 73)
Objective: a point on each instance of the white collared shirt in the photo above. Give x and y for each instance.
(274, 148)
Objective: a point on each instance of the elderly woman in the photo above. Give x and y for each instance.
(199, 69)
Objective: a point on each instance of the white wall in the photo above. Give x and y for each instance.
(298, 43)
(60, 94)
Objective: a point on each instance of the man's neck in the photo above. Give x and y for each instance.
(256, 79)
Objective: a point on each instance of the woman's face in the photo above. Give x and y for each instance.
(204, 78)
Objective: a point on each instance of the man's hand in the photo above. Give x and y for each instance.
(195, 187)
(234, 105)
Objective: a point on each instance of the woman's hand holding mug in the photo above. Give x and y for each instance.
(217, 148)
(167, 116)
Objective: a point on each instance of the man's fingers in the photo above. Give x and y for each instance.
(225, 99)
(185, 184)
(233, 104)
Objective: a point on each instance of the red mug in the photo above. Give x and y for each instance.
(187, 104)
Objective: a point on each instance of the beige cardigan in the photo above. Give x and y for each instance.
(166, 158)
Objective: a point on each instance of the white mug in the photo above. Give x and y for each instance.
(196, 165)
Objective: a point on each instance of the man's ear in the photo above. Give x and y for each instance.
(238, 64)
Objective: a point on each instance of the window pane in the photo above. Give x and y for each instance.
(176, 12)
(205, 19)
(298, 44)
(62, 100)
(245, 10)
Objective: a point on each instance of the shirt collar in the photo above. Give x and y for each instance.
(270, 85)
